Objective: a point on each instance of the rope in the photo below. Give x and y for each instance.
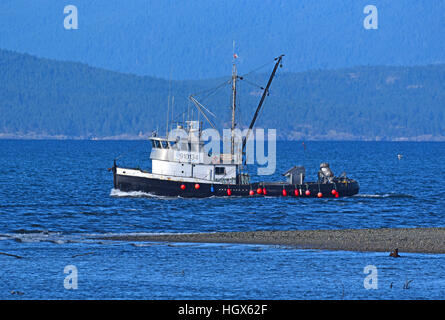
(252, 83)
(211, 89)
(259, 68)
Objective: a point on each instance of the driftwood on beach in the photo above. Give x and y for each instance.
(421, 240)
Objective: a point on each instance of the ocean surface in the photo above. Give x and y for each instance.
(56, 200)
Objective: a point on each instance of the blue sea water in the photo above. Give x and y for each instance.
(56, 199)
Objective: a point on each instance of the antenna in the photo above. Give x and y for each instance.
(233, 51)
(168, 108)
(173, 107)
(168, 104)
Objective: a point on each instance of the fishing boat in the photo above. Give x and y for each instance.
(183, 167)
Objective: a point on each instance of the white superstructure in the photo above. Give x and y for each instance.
(187, 158)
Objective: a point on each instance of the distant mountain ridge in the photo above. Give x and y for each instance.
(43, 98)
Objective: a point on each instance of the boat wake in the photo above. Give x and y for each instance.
(385, 195)
(131, 194)
(140, 194)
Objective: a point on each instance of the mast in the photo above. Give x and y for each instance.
(234, 76)
(263, 97)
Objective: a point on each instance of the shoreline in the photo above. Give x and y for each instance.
(413, 240)
(287, 137)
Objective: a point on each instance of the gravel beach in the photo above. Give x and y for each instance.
(420, 240)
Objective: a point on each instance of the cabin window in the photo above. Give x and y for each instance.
(220, 170)
(171, 144)
(164, 144)
(157, 144)
(153, 144)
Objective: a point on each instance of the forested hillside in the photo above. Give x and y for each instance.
(42, 98)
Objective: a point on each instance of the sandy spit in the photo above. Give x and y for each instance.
(420, 240)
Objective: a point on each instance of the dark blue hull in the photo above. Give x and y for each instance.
(169, 188)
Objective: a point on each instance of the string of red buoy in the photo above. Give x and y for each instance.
(263, 191)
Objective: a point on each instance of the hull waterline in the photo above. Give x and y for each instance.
(171, 188)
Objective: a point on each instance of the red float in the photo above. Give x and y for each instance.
(336, 195)
(197, 186)
(308, 193)
(334, 192)
(264, 191)
(296, 193)
(229, 192)
(259, 191)
(183, 186)
(284, 192)
(320, 195)
(251, 192)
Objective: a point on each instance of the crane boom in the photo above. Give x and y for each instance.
(263, 97)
